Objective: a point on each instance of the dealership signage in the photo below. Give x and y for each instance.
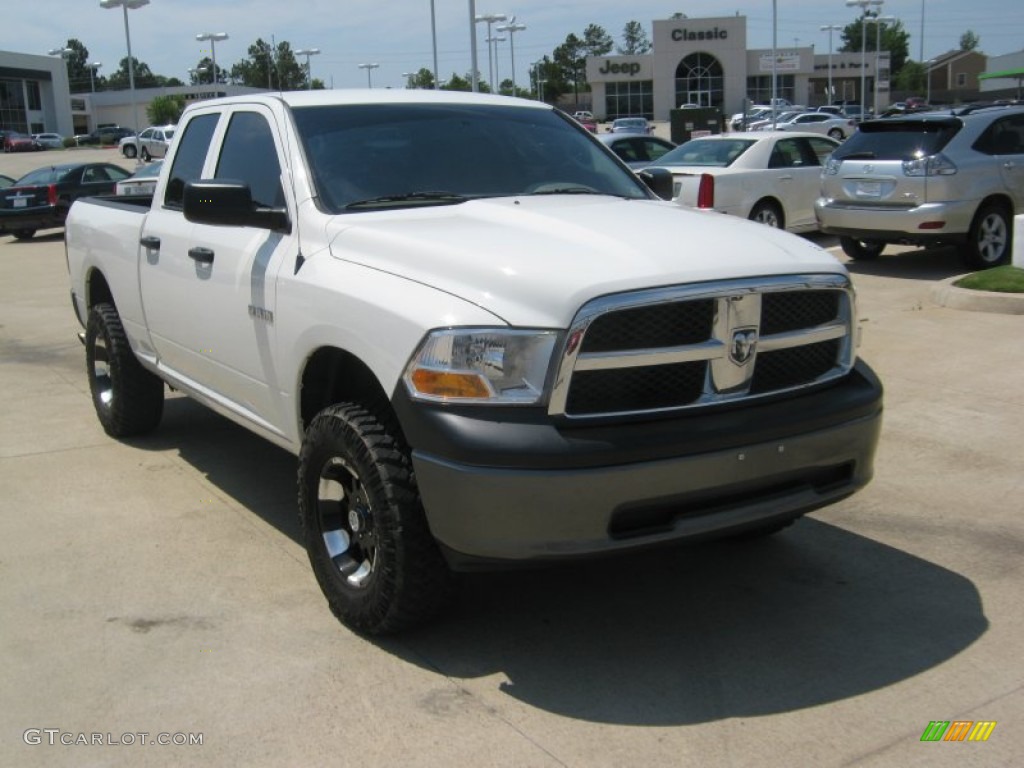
(703, 34)
(784, 62)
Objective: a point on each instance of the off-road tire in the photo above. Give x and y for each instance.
(363, 524)
(129, 400)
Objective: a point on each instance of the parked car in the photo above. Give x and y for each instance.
(741, 120)
(631, 125)
(5, 181)
(831, 109)
(926, 179)
(142, 182)
(832, 126)
(152, 142)
(768, 177)
(49, 140)
(41, 199)
(637, 151)
(110, 134)
(583, 115)
(765, 123)
(15, 141)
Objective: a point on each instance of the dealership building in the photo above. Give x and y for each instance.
(706, 62)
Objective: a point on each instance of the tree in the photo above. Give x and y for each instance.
(165, 110)
(894, 39)
(270, 67)
(423, 79)
(969, 41)
(634, 40)
(144, 77)
(597, 42)
(570, 59)
(77, 63)
(911, 77)
(206, 76)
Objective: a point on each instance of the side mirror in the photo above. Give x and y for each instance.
(226, 202)
(659, 180)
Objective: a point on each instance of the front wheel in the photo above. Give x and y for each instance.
(145, 155)
(836, 134)
(363, 524)
(129, 151)
(767, 213)
(861, 250)
(129, 400)
(990, 240)
(23, 234)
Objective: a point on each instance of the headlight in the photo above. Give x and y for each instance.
(481, 365)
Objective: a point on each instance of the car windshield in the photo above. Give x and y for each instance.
(719, 153)
(630, 123)
(898, 139)
(42, 176)
(372, 156)
(147, 171)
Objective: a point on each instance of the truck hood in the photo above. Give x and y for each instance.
(533, 261)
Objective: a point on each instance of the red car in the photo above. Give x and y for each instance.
(20, 142)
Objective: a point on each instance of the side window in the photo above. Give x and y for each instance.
(95, 175)
(786, 154)
(249, 154)
(188, 162)
(821, 149)
(656, 150)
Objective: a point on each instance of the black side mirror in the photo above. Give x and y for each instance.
(659, 180)
(226, 202)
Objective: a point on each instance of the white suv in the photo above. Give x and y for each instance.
(926, 179)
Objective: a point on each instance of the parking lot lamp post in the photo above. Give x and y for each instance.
(369, 71)
(497, 74)
(307, 52)
(830, 28)
(878, 44)
(128, 5)
(196, 73)
(512, 28)
(93, 66)
(214, 38)
(490, 18)
(863, 5)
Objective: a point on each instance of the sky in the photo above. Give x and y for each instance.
(396, 34)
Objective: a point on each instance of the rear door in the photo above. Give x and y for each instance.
(1004, 140)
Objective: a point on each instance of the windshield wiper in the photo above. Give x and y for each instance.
(427, 198)
(567, 189)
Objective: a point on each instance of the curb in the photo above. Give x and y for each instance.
(945, 294)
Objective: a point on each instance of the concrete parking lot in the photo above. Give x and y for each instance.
(155, 590)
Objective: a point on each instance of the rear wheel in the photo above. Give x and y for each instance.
(363, 524)
(991, 237)
(129, 150)
(836, 134)
(861, 250)
(23, 234)
(768, 213)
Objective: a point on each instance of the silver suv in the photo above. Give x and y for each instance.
(926, 179)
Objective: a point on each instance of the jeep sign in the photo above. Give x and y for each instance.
(631, 68)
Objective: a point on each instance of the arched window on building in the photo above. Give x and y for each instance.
(700, 80)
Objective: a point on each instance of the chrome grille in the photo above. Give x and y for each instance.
(690, 346)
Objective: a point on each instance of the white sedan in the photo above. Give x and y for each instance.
(838, 128)
(769, 177)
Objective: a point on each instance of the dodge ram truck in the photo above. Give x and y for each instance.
(486, 340)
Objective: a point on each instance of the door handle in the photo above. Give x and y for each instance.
(202, 255)
(150, 242)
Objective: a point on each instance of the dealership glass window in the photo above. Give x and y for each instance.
(630, 98)
(34, 102)
(12, 105)
(700, 79)
(759, 88)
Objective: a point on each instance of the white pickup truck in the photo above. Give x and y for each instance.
(486, 340)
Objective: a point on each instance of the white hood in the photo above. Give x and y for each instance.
(533, 261)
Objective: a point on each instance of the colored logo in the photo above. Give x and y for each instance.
(958, 730)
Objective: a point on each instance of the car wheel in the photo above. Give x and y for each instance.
(836, 134)
(768, 213)
(145, 154)
(129, 400)
(363, 524)
(991, 237)
(861, 250)
(129, 151)
(23, 234)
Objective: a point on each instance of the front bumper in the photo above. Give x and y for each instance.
(498, 492)
(919, 224)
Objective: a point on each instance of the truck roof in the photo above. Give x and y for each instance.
(374, 96)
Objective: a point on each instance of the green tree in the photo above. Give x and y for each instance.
(969, 41)
(893, 38)
(424, 79)
(910, 78)
(77, 64)
(206, 76)
(570, 58)
(634, 40)
(144, 77)
(269, 67)
(596, 41)
(164, 110)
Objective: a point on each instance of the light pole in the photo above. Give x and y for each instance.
(863, 4)
(490, 18)
(512, 27)
(214, 38)
(928, 79)
(433, 38)
(307, 52)
(878, 45)
(497, 73)
(369, 71)
(93, 66)
(127, 5)
(196, 73)
(830, 28)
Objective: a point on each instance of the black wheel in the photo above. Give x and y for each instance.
(23, 234)
(837, 134)
(861, 250)
(990, 241)
(363, 524)
(129, 400)
(767, 213)
(145, 154)
(129, 150)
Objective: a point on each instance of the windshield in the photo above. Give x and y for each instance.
(369, 156)
(898, 139)
(719, 153)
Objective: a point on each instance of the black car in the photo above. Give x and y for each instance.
(110, 134)
(41, 199)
